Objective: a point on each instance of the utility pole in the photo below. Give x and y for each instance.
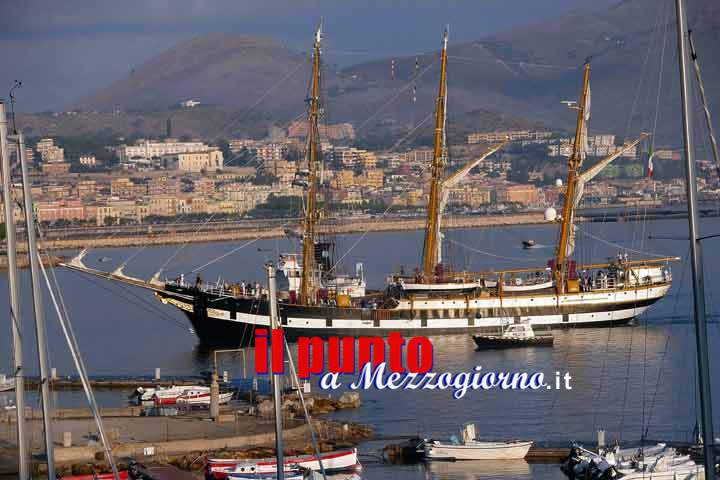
(13, 285)
(37, 306)
(277, 395)
(695, 247)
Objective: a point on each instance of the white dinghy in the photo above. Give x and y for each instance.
(471, 449)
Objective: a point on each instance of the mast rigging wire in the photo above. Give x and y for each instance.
(260, 99)
(396, 95)
(141, 302)
(489, 254)
(67, 329)
(304, 406)
(226, 254)
(617, 245)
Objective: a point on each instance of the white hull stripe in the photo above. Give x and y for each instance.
(450, 322)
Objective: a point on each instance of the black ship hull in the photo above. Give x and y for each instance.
(230, 322)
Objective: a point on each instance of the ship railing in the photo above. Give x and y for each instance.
(462, 277)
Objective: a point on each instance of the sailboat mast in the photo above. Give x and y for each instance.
(695, 247)
(14, 285)
(37, 307)
(574, 163)
(432, 228)
(277, 390)
(311, 215)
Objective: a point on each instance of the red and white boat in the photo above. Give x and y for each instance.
(333, 462)
(169, 396)
(201, 396)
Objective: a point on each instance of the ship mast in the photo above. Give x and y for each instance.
(432, 229)
(574, 163)
(313, 147)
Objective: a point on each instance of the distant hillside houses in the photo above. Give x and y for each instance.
(513, 135)
(598, 146)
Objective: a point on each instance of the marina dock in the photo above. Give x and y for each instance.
(115, 383)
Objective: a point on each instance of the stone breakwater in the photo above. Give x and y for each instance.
(24, 262)
(388, 224)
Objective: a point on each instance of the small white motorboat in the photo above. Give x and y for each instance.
(471, 449)
(201, 396)
(514, 335)
(170, 395)
(164, 395)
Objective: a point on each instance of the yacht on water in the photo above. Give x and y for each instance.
(434, 299)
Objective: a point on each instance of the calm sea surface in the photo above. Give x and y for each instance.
(632, 381)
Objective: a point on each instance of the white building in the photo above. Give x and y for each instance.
(146, 150)
(207, 160)
(88, 160)
(49, 152)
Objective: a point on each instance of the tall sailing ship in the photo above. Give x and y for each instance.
(315, 300)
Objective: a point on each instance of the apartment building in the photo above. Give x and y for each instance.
(127, 188)
(113, 211)
(522, 194)
(513, 135)
(163, 185)
(163, 205)
(471, 197)
(200, 161)
(69, 210)
(204, 186)
(86, 189)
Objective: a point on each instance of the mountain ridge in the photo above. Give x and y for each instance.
(524, 72)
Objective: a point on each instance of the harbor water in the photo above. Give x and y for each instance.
(635, 382)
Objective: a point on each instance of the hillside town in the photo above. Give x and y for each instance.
(158, 180)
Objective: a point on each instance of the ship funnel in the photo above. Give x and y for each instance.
(359, 270)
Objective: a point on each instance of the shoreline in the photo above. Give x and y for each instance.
(141, 236)
(356, 226)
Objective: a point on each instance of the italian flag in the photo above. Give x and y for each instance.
(650, 165)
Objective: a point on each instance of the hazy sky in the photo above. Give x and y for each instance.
(64, 49)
